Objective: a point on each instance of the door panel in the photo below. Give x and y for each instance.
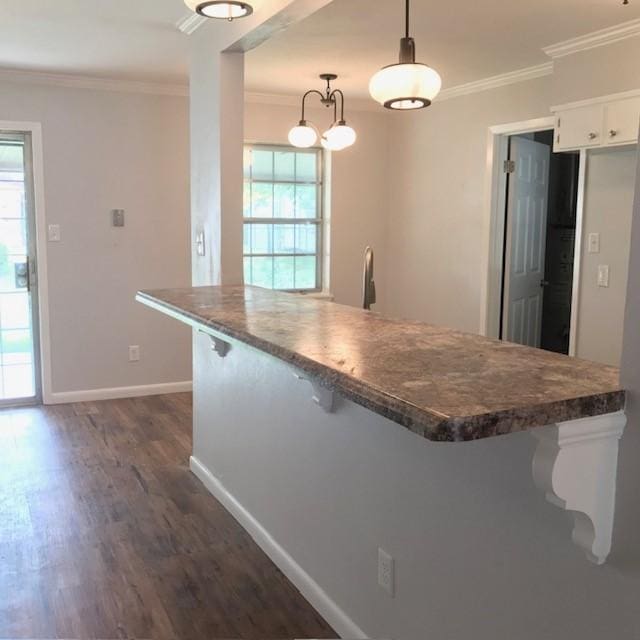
(18, 302)
(526, 227)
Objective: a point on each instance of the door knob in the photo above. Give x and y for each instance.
(612, 133)
(592, 135)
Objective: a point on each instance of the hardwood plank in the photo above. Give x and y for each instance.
(105, 533)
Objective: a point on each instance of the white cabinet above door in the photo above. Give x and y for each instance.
(579, 128)
(598, 122)
(622, 121)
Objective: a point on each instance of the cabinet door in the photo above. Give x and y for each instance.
(622, 121)
(579, 128)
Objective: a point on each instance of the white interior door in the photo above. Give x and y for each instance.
(526, 242)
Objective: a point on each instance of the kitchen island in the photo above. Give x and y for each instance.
(264, 359)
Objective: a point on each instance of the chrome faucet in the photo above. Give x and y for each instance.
(368, 286)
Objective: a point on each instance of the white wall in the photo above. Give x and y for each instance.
(437, 223)
(438, 187)
(608, 211)
(359, 208)
(106, 150)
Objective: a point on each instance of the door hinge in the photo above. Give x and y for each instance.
(509, 166)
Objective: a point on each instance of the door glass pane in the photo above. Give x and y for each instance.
(17, 369)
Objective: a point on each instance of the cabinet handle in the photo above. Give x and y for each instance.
(612, 133)
(592, 135)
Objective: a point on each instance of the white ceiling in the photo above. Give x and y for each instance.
(465, 40)
(128, 39)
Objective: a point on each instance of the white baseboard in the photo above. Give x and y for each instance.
(310, 589)
(90, 395)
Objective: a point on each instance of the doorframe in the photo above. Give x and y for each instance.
(495, 220)
(34, 129)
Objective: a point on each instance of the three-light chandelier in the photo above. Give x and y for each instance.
(338, 136)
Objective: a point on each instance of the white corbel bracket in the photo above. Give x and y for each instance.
(221, 347)
(322, 396)
(575, 464)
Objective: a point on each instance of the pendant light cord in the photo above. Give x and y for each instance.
(406, 20)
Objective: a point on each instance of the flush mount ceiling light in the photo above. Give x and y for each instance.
(408, 84)
(338, 136)
(223, 10)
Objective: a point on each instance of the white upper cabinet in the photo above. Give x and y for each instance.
(579, 128)
(622, 121)
(602, 122)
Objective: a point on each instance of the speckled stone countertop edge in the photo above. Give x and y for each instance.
(426, 423)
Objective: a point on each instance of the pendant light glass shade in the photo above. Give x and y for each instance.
(221, 9)
(303, 135)
(338, 137)
(408, 84)
(405, 86)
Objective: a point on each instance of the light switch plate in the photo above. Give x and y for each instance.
(603, 275)
(53, 232)
(594, 243)
(117, 217)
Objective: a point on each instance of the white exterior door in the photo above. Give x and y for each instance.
(526, 242)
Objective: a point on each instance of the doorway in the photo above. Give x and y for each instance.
(539, 242)
(19, 332)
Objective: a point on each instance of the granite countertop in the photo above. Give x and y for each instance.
(443, 384)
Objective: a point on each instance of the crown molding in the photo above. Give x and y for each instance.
(190, 22)
(70, 81)
(493, 82)
(594, 39)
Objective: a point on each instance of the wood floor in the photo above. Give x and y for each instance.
(104, 533)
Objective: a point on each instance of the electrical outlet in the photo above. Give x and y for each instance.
(134, 353)
(594, 243)
(603, 275)
(386, 572)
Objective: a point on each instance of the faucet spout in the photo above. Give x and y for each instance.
(369, 286)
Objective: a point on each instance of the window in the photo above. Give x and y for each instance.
(283, 218)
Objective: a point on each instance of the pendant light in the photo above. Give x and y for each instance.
(408, 84)
(223, 10)
(338, 136)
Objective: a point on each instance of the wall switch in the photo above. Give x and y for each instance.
(603, 275)
(134, 353)
(117, 217)
(594, 243)
(53, 232)
(386, 572)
